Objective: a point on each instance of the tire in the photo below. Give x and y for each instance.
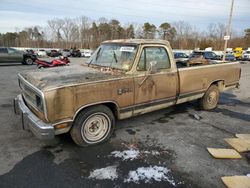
(28, 61)
(210, 99)
(85, 130)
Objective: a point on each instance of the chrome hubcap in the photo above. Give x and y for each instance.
(96, 127)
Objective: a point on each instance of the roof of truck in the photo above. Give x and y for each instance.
(139, 41)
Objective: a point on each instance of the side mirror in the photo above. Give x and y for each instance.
(152, 67)
(151, 70)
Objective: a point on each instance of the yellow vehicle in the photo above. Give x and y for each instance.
(238, 52)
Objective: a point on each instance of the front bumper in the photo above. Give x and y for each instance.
(30, 121)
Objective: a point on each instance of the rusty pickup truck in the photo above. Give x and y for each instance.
(122, 79)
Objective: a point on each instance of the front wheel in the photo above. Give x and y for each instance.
(93, 125)
(210, 99)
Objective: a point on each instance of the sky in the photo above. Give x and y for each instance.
(15, 15)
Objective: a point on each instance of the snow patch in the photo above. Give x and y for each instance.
(153, 152)
(126, 154)
(109, 172)
(147, 174)
(132, 154)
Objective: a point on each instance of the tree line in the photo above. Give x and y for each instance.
(82, 32)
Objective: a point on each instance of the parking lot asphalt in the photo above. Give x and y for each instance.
(178, 135)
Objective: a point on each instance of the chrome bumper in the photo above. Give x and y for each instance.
(30, 122)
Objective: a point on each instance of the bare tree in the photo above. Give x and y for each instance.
(55, 26)
(216, 33)
(67, 27)
(129, 32)
(102, 20)
(84, 31)
(138, 31)
(183, 31)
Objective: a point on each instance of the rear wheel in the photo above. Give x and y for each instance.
(210, 99)
(93, 125)
(28, 61)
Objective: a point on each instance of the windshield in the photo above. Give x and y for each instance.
(118, 56)
(184, 55)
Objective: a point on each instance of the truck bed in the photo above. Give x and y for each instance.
(195, 80)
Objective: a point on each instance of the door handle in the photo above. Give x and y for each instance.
(144, 79)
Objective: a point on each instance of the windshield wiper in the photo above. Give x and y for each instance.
(115, 56)
(90, 62)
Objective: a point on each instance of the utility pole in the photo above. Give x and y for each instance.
(228, 33)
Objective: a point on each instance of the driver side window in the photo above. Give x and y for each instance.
(157, 54)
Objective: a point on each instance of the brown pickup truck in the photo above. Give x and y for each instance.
(122, 79)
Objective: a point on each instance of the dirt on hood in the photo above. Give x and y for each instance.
(45, 79)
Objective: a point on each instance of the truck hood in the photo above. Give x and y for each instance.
(50, 78)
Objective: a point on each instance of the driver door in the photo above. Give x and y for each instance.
(154, 90)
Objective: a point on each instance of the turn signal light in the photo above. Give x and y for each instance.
(61, 126)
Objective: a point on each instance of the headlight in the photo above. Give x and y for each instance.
(39, 103)
(31, 97)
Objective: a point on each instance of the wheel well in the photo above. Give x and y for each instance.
(112, 106)
(219, 83)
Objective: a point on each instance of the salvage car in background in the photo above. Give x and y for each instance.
(41, 53)
(86, 53)
(11, 55)
(181, 58)
(53, 53)
(76, 53)
(29, 51)
(246, 56)
(206, 54)
(230, 57)
(66, 53)
(238, 52)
